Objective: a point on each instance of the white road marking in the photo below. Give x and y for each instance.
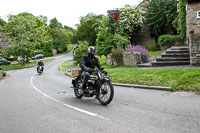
(67, 105)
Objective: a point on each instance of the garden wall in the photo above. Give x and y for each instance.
(193, 30)
(194, 44)
(130, 59)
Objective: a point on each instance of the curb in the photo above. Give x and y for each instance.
(144, 86)
(133, 86)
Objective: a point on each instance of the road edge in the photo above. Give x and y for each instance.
(131, 85)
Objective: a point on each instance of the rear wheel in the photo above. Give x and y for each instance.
(77, 88)
(106, 93)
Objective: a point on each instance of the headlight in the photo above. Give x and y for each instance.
(107, 77)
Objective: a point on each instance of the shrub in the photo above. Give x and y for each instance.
(120, 41)
(150, 47)
(137, 48)
(48, 54)
(117, 56)
(169, 40)
(79, 52)
(3, 74)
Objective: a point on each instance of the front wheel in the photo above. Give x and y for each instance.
(106, 93)
(77, 88)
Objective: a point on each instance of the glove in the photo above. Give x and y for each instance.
(103, 71)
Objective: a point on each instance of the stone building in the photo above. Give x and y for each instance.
(144, 36)
(193, 30)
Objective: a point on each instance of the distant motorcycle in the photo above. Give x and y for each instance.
(40, 70)
(98, 85)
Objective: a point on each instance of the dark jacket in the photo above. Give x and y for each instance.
(89, 61)
(40, 64)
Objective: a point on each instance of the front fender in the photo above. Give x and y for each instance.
(73, 82)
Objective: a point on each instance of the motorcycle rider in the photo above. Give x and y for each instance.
(87, 64)
(40, 64)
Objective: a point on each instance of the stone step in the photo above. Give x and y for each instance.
(179, 48)
(163, 55)
(170, 63)
(173, 59)
(176, 51)
(145, 65)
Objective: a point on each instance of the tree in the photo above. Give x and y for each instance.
(54, 23)
(2, 24)
(130, 21)
(182, 18)
(26, 33)
(107, 39)
(80, 51)
(69, 28)
(61, 38)
(44, 19)
(160, 14)
(87, 29)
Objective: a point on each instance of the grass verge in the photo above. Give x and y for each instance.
(177, 79)
(152, 53)
(63, 66)
(19, 66)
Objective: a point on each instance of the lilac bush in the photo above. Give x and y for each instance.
(138, 48)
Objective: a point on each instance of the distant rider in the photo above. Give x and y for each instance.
(40, 64)
(87, 64)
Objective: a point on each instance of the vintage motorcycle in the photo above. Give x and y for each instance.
(98, 85)
(39, 70)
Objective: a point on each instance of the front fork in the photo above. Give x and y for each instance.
(75, 81)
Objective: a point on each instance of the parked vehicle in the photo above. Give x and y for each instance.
(38, 56)
(3, 61)
(98, 85)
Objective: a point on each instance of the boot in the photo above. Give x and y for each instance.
(83, 88)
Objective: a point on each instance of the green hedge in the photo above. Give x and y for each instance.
(169, 40)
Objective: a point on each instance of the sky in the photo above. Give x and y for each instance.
(67, 12)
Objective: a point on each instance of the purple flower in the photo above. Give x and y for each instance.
(138, 48)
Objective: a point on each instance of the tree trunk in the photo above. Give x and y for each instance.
(23, 63)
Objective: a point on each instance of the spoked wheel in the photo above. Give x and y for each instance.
(106, 93)
(77, 89)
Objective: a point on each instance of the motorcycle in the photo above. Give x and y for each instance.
(40, 70)
(98, 85)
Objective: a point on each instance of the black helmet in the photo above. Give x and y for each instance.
(91, 49)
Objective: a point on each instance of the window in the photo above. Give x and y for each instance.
(198, 14)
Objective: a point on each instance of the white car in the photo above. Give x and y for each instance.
(38, 56)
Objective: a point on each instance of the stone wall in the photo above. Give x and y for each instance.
(194, 45)
(193, 31)
(143, 37)
(130, 59)
(193, 23)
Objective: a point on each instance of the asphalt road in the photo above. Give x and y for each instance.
(32, 103)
